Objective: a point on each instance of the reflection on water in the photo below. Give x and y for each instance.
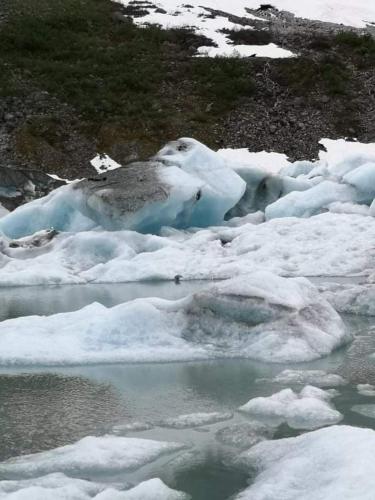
(42, 411)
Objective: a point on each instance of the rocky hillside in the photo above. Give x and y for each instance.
(79, 77)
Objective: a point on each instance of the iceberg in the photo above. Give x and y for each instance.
(331, 463)
(187, 184)
(260, 316)
(309, 409)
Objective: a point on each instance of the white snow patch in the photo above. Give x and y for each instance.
(307, 410)
(197, 16)
(102, 163)
(153, 489)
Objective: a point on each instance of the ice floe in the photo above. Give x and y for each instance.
(331, 463)
(195, 420)
(244, 435)
(90, 455)
(319, 378)
(366, 390)
(260, 316)
(309, 409)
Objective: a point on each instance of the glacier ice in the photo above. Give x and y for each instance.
(325, 245)
(309, 409)
(367, 410)
(260, 316)
(331, 463)
(90, 455)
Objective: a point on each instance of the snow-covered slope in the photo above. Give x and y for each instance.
(198, 16)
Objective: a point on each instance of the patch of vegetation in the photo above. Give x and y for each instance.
(249, 37)
(360, 47)
(108, 69)
(304, 75)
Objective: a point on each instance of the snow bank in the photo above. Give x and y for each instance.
(260, 316)
(103, 163)
(336, 462)
(90, 455)
(307, 410)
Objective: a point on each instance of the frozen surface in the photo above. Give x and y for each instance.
(90, 455)
(272, 163)
(366, 390)
(260, 316)
(336, 462)
(195, 420)
(319, 378)
(309, 409)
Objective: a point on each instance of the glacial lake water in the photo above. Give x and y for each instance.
(42, 408)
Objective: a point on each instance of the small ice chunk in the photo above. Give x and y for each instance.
(153, 489)
(365, 410)
(90, 455)
(244, 435)
(131, 427)
(332, 463)
(309, 409)
(319, 378)
(195, 420)
(366, 389)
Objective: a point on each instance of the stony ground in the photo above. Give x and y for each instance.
(278, 105)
